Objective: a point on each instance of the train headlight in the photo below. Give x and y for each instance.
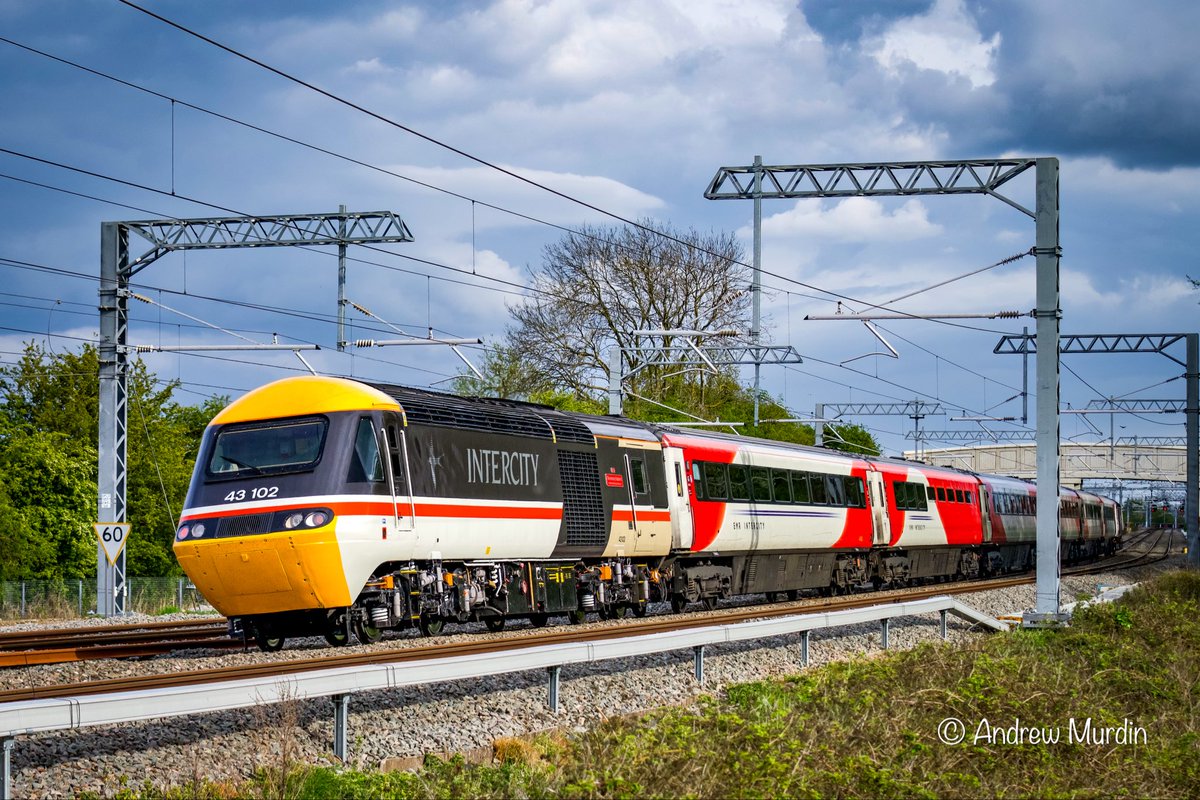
(316, 519)
(293, 521)
(198, 530)
(183, 533)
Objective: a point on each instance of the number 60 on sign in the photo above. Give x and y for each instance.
(112, 537)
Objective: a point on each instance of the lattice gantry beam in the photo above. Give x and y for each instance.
(721, 356)
(372, 227)
(981, 176)
(913, 408)
(1138, 406)
(1153, 441)
(972, 436)
(1018, 344)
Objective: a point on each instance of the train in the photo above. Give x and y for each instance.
(324, 506)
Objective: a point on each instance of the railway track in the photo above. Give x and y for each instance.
(144, 640)
(565, 634)
(137, 640)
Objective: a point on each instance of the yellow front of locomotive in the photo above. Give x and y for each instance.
(276, 469)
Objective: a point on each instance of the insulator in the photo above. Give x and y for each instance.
(379, 616)
(364, 342)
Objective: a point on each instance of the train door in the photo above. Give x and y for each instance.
(678, 501)
(399, 480)
(635, 484)
(879, 513)
(985, 504)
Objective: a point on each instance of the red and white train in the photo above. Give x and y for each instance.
(331, 506)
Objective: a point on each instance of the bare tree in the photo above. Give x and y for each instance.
(599, 284)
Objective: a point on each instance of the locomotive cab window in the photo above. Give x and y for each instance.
(270, 449)
(637, 472)
(366, 464)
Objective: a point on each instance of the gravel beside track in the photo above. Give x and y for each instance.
(442, 718)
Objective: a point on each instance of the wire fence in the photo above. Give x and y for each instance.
(77, 598)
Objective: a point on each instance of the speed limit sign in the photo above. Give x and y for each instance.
(112, 537)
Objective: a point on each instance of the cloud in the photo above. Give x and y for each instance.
(483, 183)
(945, 39)
(856, 219)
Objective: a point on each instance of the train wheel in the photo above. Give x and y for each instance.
(367, 633)
(268, 643)
(792, 594)
(337, 633)
(431, 626)
(640, 610)
(618, 612)
(710, 602)
(577, 616)
(539, 620)
(494, 624)
(678, 603)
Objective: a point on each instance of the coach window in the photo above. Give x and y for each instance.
(800, 491)
(816, 482)
(760, 481)
(366, 465)
(941, 494)
(958, 498)
(697, 480)
(781, 485)
(854, 491)
(930, 492)
(637, 472)
(739, 482)
(967, 496)
(836, 490)
(716, 484)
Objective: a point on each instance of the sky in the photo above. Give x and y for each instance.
(631, 108)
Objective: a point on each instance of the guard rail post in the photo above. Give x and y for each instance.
(804, 648)
(698, 659)
(884, 624)
(6, 768)
(553, 699)
(943, 613)
(341, 714)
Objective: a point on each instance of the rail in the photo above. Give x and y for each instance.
(54, 714)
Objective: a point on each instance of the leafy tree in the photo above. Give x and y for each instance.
(599, 285)
(49, 431)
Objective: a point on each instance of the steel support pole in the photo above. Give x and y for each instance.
(819, 427)
(615, 375)
(1191, 505)
(756, 284)
(111, 478)
(1048, 316)
(341, 724)
(341, 336)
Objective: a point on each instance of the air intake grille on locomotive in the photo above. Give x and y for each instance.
(448, 411)
(583, 508)
(247, 525)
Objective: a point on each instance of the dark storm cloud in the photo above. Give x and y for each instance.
(846, 21)
(1074, 79)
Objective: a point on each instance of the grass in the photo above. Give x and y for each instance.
(869, 727)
